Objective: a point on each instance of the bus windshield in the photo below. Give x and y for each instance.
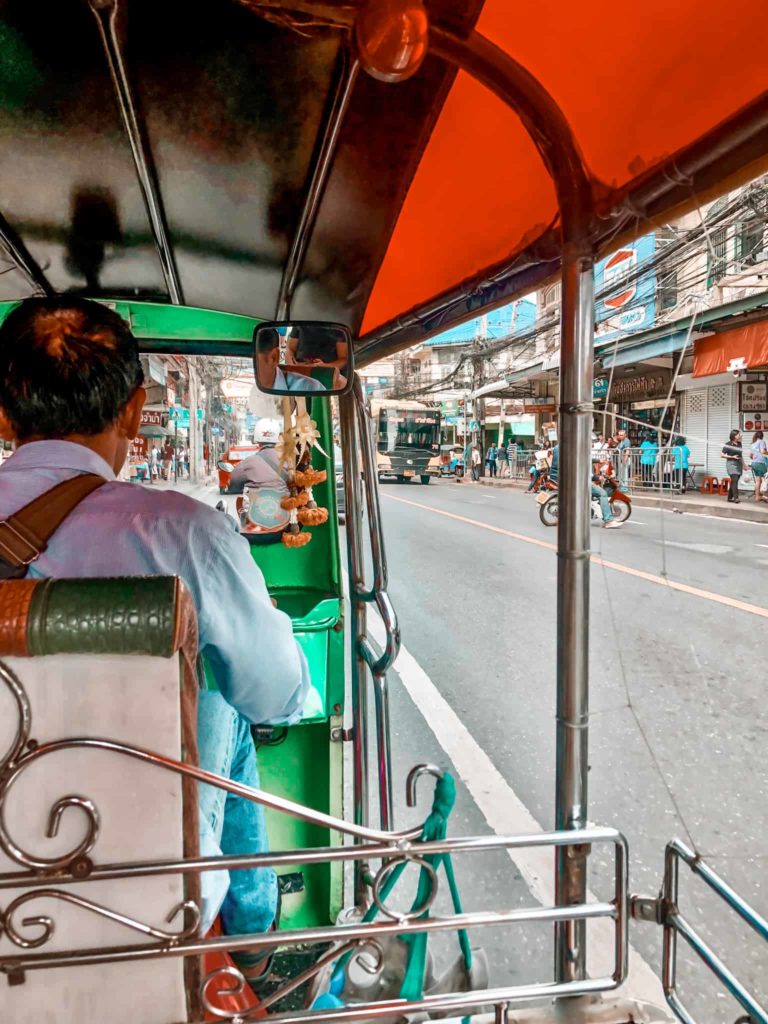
(409, 428)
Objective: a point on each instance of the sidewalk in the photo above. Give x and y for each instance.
(691, 501)
(200, 490)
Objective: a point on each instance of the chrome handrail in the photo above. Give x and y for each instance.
(674, 924)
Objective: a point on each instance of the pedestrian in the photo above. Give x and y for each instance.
(599, 447)
(759, 456)
(167, 460)
(732, 453)
(681, 454)
(185, 462)
(512, 456)
(540, 468)
(154, 459)
(623, 456)
(490, 459)
(502, 461)
(649, 451)
(476, 461)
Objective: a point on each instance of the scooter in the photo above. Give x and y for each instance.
(621, 504)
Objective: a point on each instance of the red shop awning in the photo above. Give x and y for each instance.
(724, 352)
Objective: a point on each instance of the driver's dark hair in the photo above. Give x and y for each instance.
(316, 344)
(266, 338)
(67, 366)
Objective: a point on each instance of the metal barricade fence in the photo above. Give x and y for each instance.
(646, 469)
(519, 467)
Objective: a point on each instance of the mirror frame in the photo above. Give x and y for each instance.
(277, 324)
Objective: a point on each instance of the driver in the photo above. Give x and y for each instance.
(609, 521)
(261, 468)
(269, 373)
(71, 397)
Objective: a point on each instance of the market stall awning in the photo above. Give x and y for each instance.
(745, 348)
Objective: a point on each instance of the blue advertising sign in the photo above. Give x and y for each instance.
(625, 294)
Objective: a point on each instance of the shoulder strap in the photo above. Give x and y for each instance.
(25, 535)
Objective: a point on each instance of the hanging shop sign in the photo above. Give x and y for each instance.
(154, 417)
(539, 405)
(753, 397)
(600, 387)
(644, 386)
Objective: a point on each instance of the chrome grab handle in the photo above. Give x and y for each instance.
(356, 427)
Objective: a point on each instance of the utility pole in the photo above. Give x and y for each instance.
(194, 433)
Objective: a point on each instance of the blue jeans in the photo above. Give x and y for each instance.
(605, 505)
(231, 825)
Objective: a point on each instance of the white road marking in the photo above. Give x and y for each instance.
(506, 814)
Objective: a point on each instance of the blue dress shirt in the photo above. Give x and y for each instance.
(127, 530)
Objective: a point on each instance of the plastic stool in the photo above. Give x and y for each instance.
(725, 485)
(709, 485)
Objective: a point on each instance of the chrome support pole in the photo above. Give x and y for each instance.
(106, 13)
(378, 594)
(358, 628)
(573, 566)
(346, 83)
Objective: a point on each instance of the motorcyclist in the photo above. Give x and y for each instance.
(259, 481)
(597, 491)
(261, 468)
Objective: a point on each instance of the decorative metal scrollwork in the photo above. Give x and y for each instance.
(24, 724)
(212, 990)
(11, 929)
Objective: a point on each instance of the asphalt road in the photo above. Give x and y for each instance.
(678, 724)
(679, 716)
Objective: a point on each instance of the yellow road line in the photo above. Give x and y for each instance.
(649, 577)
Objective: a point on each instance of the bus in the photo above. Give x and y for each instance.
(407, 436)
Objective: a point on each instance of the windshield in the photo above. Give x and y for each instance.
(409, 428)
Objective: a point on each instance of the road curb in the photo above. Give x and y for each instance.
(745, 511)
(724, 511)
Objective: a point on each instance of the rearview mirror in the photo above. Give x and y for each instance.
(302, 357)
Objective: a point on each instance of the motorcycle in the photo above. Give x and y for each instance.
(621, 505)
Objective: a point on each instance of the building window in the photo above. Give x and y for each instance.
(717, 256)
(749, 242)
(552, 298)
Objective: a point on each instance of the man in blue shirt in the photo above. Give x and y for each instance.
(71, 397)
(596, 491)
(271, 374)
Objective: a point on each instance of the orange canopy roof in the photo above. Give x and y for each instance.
(748, 345)
(637, 86)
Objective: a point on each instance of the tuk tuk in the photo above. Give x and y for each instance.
(451, 460)
(211, 169)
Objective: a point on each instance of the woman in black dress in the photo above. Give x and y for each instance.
(735, 463)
